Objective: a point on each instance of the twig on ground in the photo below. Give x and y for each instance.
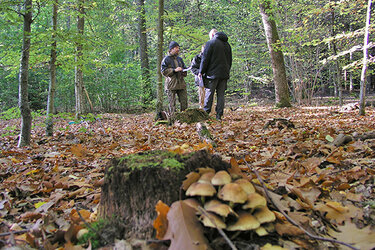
(289, 218)
(230, 243)
(14, 232)
(89, 226)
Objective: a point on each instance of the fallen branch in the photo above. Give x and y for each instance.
(290, 219)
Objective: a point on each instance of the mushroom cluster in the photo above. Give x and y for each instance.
(231, 202)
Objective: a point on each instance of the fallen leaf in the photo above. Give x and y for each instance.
(161, 222)
(349, 233)
(184, 229)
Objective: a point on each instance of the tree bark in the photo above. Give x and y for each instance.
(26, 119)
(52, 83)
(145, 68)
(362, 99)
(135, 183)
(277, 57)
(338, 83)
(159, 104)
(79, 85)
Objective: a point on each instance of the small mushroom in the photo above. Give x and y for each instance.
(264, 215)
(244, 222)
(190, 179)
(212, 220)
(221, 178)
(246, 185)
(219, 208)
(233, 193)
(206, 177)
(192, 203)
(201, 171)
(255, 200)
(261, 231)
(201, 189)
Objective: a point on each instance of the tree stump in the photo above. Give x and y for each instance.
(134, 184)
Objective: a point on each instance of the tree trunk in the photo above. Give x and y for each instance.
(52, 83)
(135, 183)
(362, 100)
(338, 83)
(159, 104)
(26, 119)
(145, 68)
(79, 86)
(277, 57)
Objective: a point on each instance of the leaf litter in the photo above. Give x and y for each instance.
(327, 189)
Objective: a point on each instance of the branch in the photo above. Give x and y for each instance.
(290, 219)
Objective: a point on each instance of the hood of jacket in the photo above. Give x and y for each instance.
(222, 36)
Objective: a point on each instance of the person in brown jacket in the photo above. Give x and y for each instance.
(172, 67)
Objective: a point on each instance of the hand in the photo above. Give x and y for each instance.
(178, 69)
(200, 76)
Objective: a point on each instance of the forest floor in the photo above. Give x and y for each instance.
(326, 188)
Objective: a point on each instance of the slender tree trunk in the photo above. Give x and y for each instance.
(338, 83)
(26, 119)
(52, 83)
(365, 58)
(277, 57)
(159, 104)
(145, 68)
(79, 86)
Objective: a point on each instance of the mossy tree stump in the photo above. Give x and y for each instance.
(134, 184)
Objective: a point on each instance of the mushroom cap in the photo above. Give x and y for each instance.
(219, 208)
(261, 231)
(205, 170)
(255, 200)
(232, 192)
(244, 222)
(201, 189)
(190, 179)
(221, 178)
(192, 203)
(264, 215)
(246, 185)
(207, 220)
(206, 177)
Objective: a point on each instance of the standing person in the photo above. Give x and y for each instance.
(172, 68)
(195, 65)
(215, 68)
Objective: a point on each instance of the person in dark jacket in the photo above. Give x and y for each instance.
(195, 65)
(215, 68)
(172, 67)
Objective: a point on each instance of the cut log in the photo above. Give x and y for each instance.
(134, 184)
(204, 134)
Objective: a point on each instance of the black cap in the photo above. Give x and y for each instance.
(172, 45)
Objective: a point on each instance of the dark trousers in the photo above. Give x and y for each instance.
(219, 86)
(182, 97)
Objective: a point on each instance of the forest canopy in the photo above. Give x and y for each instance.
(321, 42)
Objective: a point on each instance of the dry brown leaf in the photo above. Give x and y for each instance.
(288, 229)
(184, 229)
(161, 222)
(190, 178)
(349, 233)
(334, 211)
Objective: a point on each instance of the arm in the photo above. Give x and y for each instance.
(166, 69)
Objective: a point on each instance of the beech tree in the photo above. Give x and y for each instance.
(159, 104)
(78, 83)
(26, 119)
(52, 83)
(277, 57)
(362, 101)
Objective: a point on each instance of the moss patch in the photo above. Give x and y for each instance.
(164, 159)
